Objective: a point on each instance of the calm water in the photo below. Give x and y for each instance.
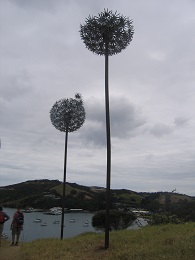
(34, 230)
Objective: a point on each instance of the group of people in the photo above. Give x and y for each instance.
(16, 225)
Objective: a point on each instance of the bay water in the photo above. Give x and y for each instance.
(74, 224)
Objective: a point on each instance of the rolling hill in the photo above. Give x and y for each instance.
(44, 194)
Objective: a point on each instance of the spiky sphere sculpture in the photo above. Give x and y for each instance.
(68, 114)
(108, 27)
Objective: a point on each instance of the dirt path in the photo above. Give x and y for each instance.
(8, 252)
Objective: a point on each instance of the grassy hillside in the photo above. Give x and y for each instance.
(73, 188)
(150, 243)
(174, 198)
(44, 194)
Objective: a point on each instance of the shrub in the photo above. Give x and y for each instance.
(164, 218)
(118, 220)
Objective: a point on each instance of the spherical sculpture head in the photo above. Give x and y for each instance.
(68, 114)
(108, 31)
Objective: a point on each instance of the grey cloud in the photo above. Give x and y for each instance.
(35, 4)
(180, 121)
(160, 130)
(12, 167)
(94, 134)
(125, 120)
(15, 86)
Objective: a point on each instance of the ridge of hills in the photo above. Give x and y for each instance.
(45, 194)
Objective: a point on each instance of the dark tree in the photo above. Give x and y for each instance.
(118, 220)
(67, 115)
(107, 34)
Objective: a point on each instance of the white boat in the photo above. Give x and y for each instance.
(58, 212)
(86, 224)
(37, 220)
(56, 222)
(44, 224)
(4, 236)
(72, 220)
(27, 211)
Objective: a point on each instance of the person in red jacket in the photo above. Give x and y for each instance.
(17, 226)
(3, 218)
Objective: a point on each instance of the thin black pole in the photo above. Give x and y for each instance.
(64, 182)
(107, 223)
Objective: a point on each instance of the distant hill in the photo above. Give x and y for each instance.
(44, 194)
(174, 198)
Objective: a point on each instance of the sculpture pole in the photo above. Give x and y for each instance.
(67, 115)
(64, 182)
(107, 34)
(107, 223)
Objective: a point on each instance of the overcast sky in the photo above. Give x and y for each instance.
(152, 95)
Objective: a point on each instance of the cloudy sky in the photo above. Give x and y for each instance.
(152, 95)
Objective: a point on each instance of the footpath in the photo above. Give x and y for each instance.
(8, 252)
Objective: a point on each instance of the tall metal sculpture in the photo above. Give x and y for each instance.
(107, 34)
(67, 115)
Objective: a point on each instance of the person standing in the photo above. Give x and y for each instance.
(17, 226)
(3, 218)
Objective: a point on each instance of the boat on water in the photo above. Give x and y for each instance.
(4, 236)
(55, 212)
(56, 222)
(37, 220)
(72, 220)
(58, 212)
(86, 224)
(27, 211)
(44, 224)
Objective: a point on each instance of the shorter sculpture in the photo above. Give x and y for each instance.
(67, 115)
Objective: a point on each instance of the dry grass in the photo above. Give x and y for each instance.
(174, 198)
(59, 189)
(154, 242)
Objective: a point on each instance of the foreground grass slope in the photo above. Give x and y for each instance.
(152, 242)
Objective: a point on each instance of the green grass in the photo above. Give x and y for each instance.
(130, 197)
(175, 198)
(59, 189)
(152, 242)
